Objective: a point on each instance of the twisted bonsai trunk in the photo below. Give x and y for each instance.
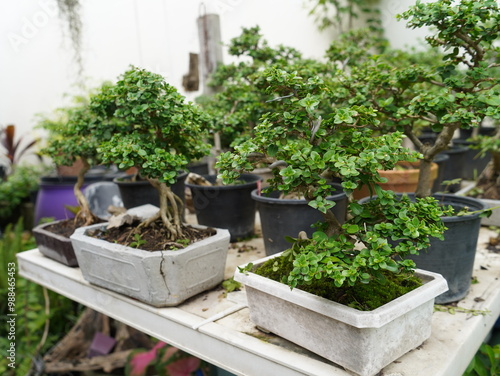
(170, 211)
(84, 213)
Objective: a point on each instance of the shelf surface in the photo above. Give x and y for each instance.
(233, 343)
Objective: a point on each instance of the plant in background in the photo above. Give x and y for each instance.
(486, 362)
(37, 309)
(157, 132)
(456, 92)
(18, 187)
(306, 146)
(14, 150)
(79, 140)
(238, 104)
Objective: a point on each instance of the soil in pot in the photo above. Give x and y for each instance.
(151, 238)
(53, 240)
(361, 296)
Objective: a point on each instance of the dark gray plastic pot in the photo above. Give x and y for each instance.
(453, 257)
(287, 217)
(227, 206)
(137, 193)
(454, 167)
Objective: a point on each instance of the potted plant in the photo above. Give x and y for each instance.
(237, 107)
(78, 140)
(448, 94)
(306, 148)
(159, 260)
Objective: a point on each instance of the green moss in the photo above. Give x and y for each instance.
(364, 297)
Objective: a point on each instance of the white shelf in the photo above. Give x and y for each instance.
(234, 344)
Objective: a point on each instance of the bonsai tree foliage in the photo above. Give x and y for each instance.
(79, 140)
(306, 146)
(238, 104)
(457, 91)
(157, 132)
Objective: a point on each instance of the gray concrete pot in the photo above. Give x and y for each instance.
(361, 341)
(159, 278)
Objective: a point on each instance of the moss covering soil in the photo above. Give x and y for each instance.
(361, 296)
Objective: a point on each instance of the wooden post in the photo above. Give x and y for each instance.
(210, 56)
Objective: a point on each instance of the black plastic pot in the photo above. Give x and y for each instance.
(228, 206)
(137, 193)
(440, 160)
(287, 217)
(473, 163)
(454, 167)
(453, 257)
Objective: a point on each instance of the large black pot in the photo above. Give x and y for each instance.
(141, 192)
(453, 257)
(287, 217)
(227, 206)
(473, 163)
(454, 167)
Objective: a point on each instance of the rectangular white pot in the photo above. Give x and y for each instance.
(158, 278)
(494, 218)
(361, 341)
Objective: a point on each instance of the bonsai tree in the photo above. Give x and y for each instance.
(79, 140)
(457, 91)
(306, 146)
(157, 132)
(238, 104)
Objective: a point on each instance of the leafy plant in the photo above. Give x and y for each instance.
(157, 132)
(307, 142)
(457, 91)
(17, 188)
(238, 104)
(14, 150)
(43, 317)
(486, 362)
(79, 139)
(138, 241)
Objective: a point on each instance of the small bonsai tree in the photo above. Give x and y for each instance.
(457, 91)
(306, 146)
(157, 132)
(79, 140)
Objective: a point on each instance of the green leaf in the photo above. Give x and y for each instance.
(352, 229)
(272, 150)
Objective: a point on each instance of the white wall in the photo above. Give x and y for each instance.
(36, 66)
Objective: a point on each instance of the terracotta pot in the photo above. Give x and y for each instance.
(400, 180)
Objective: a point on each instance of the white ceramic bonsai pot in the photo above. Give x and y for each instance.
(159, 278)
(361, 341)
